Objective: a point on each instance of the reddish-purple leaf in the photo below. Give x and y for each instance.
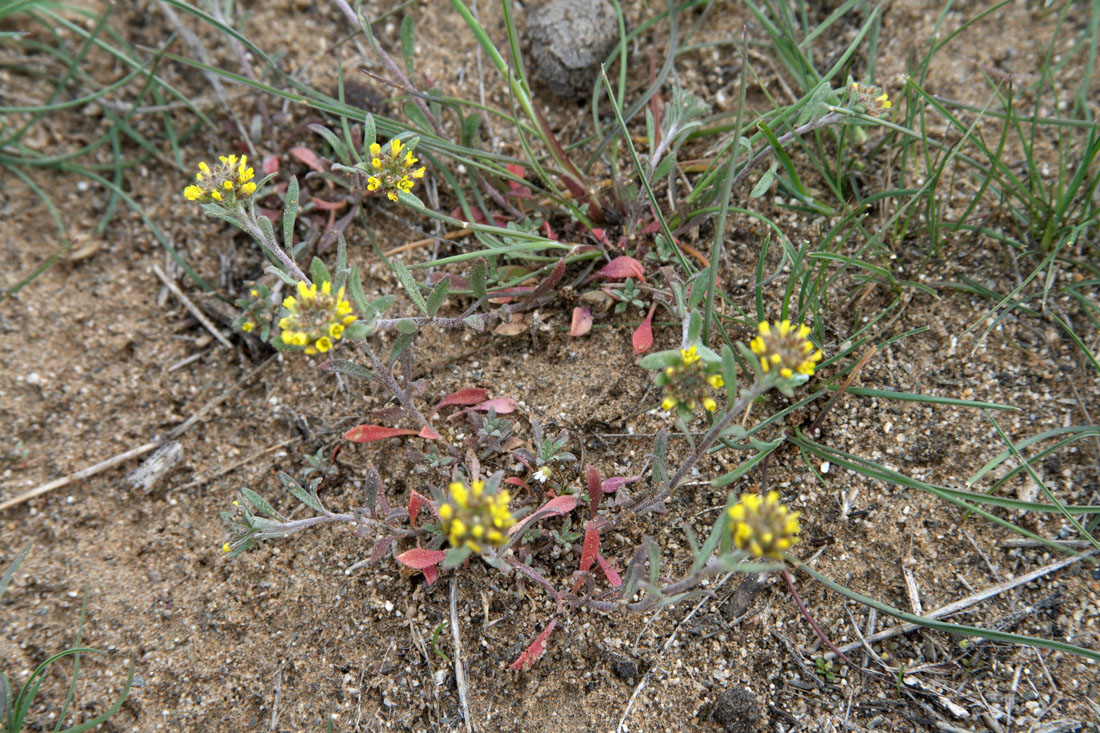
(415, 502)
(642, 338)
(582, 322)
(270, 165)
(599, 235)
(608, 571)
(371, 433)
(556, 506)
(549, 230)
(531, 654)
(589, 550)
(613, 484)
(621, 268)
(503, 405)
(595, 491)
(515, 188)
(308, 157)
(381, 547)
(516, 481)
(465, 396)
(431, 573)
(428, 433)
(418, 558)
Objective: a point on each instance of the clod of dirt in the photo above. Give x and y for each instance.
(569, 39)
(736, 711)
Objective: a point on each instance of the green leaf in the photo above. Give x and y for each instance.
(378, 306)
(765, 182)
(4, 581)
(370, 134)
(416, 116)
(350, 368)
(403, 342)
(470, 125)
(477, 278)
(408, 43)
(455, 557)
(301, 494)
(410, 286)
(665, 166)
(661, 359)
(258, 501)
(406, 326)
(695, 327)
(319, 272)
(438, 295)
(338, 148)
(355, 288)
(729, 374)
(290, 211)
(763, 448)
(357, 331)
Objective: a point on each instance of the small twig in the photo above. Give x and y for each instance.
(80, 475)
(843, 388)
(813, 622)
(621, 728)
(192, 308)
(460, 671)
(951, 608)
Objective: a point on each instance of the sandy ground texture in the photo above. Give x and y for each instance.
(101, 358)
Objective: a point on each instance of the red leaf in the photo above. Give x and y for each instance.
(589, 550)
(556, 506)
(613, 484)
(428, 433)
(533, 652)
(503, 405)
(270, 165)
(415, 502)
(642, 338)
(371, 433)
(582, 322)
(431, 573)
(418, 558)
(308, 157)
(466, 396)
(516, 189)
(550, 233)
(516, 481)
(381, 547)
(621, 268)
(608, 571)
(600, 235)
(595, 491)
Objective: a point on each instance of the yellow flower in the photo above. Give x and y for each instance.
(688, 383)
(763, 527)
(471, 517)
(225, 547)
(393, 172)
(247, 326)
(229, 181)
(785, 348)
(315, 318)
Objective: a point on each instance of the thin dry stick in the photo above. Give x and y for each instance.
(135, 452)
(970, 600)
(79, 475)
(198, 314)
(621, 728)
(460, 672)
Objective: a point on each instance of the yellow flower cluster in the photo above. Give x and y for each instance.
(875, 104)
(686, 383)
(315, 319)
(472, 517)
(395, 171)
(763, 527)
(785, 348)
(228, 181)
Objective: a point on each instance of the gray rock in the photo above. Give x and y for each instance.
(569, 39)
